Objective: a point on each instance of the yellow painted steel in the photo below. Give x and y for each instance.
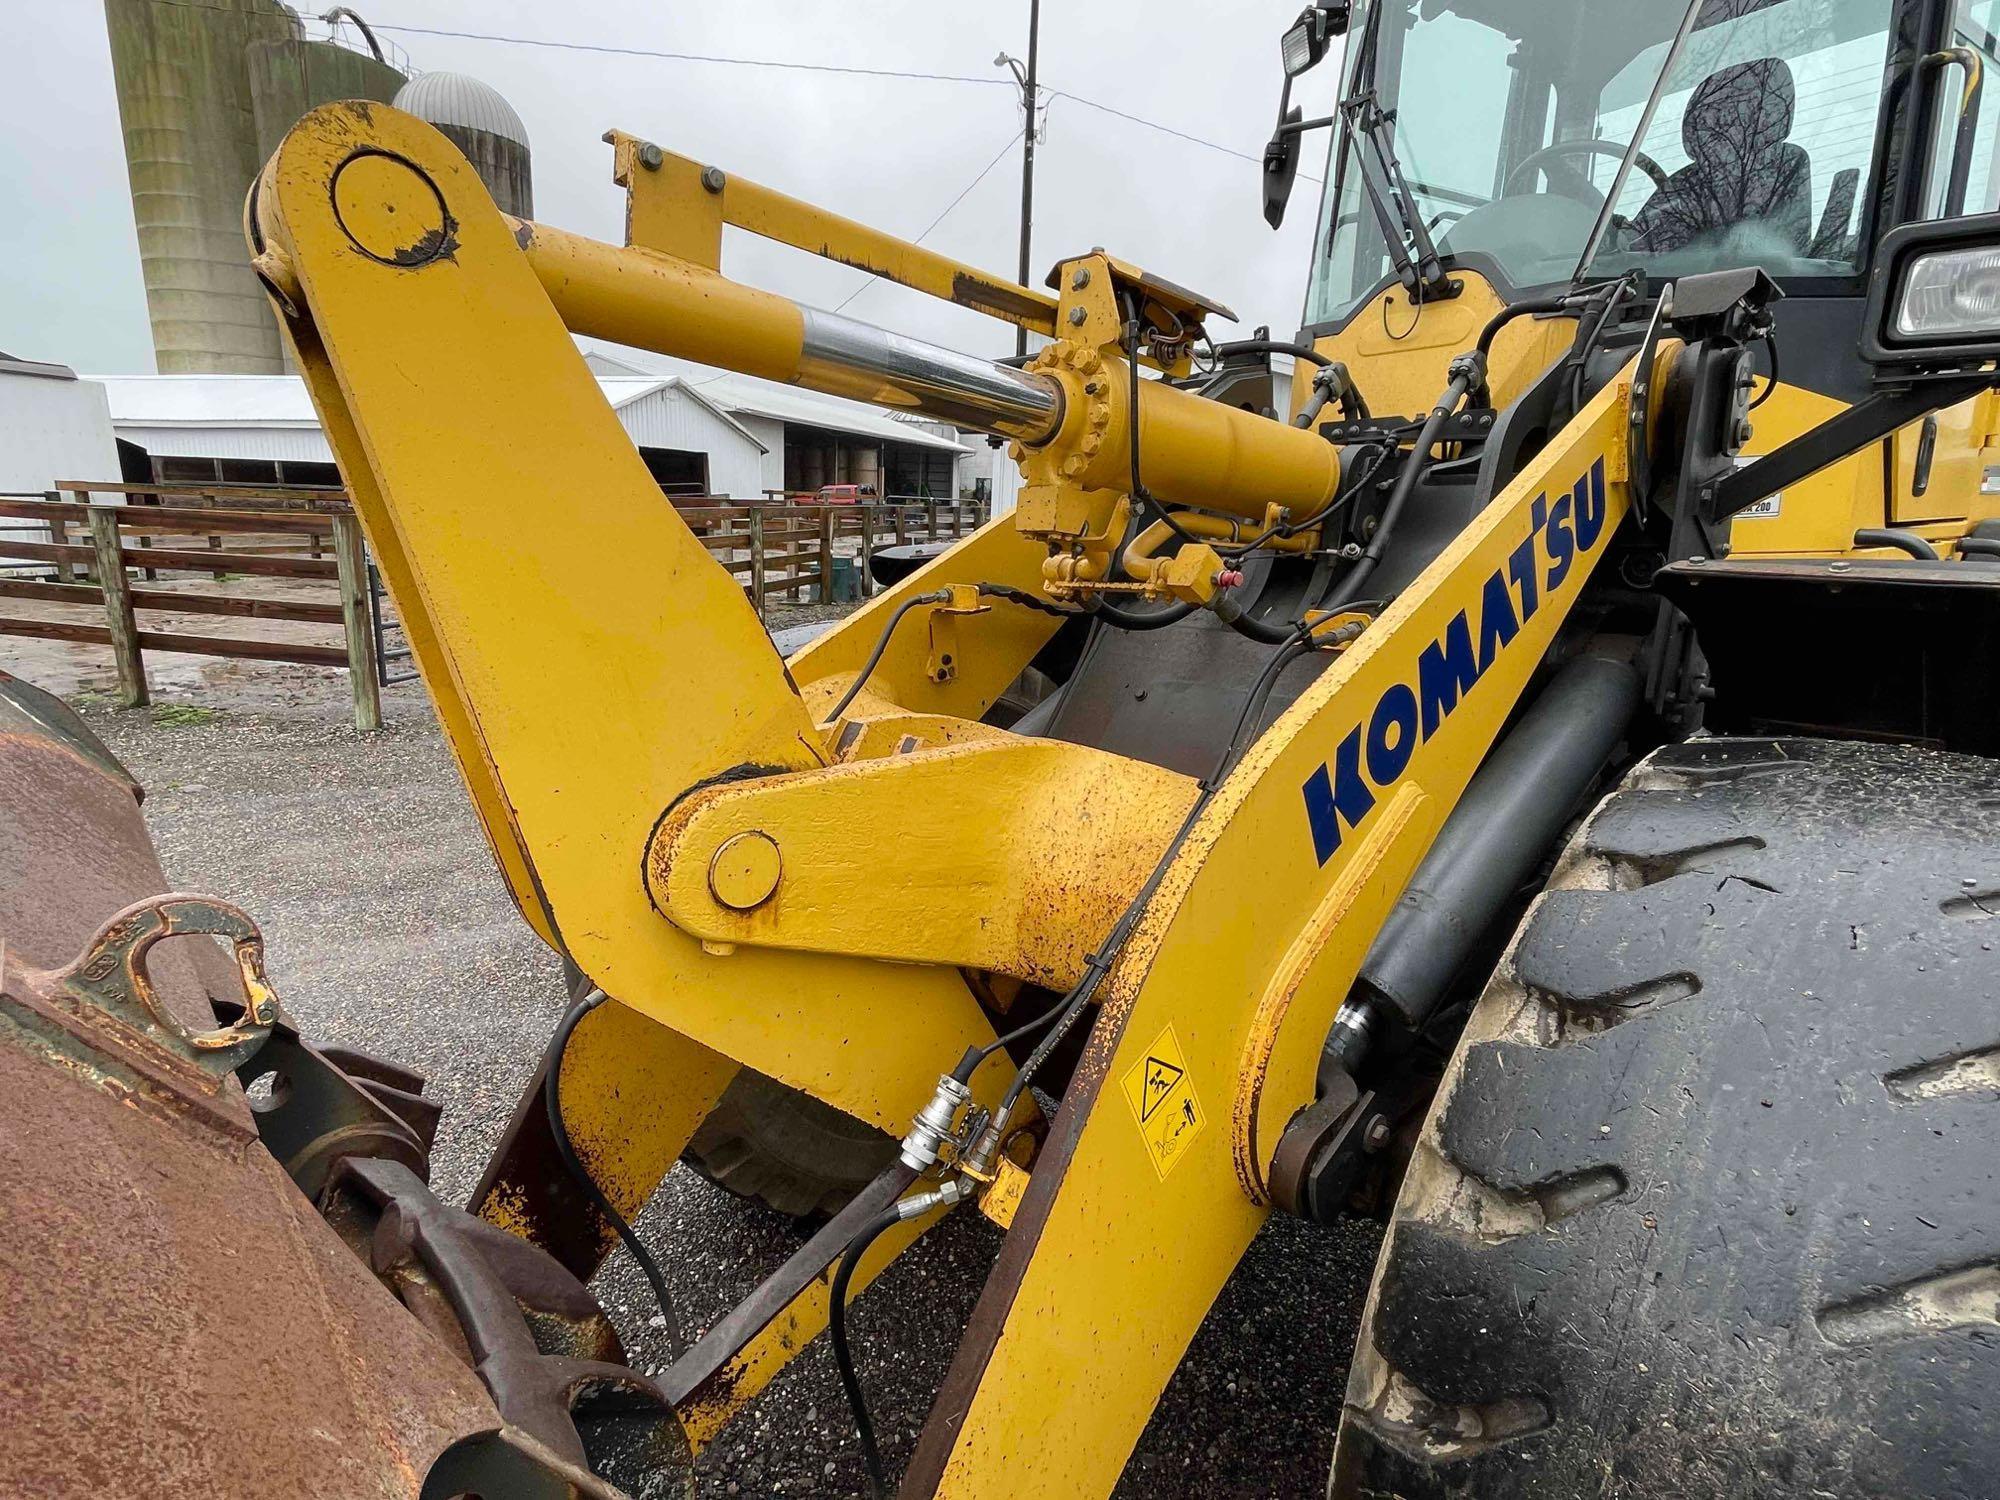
(577, 684)
(1005, 638)
(1110, 1266)
(655, 301)
(611, 701)
(679, 206)
(633, 1094)
(709, 1408)
(1012, 856)
(1397, 349)
(1288, 1030)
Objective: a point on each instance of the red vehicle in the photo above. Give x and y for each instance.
(838, 494)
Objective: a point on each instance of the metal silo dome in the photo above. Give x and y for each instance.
(482, 124)
(454, 99)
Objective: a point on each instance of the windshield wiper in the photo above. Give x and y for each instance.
(1371, 132)
(1607, 215)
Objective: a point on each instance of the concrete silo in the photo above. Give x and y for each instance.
(204, 93)
(482, 124)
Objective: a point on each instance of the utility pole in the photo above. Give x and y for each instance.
(1029, 102)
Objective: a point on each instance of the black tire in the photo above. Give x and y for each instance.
(1709, 1201)
(785, 1149)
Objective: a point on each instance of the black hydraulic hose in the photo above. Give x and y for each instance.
(1263, 632)
(1062, 1018)
(1507, 314)
(1406, 484)
(1271, 346)
(1143, 619)
(1902, 541)
(936, 596)
(1979, 546)
(843, 1358)
(566, 1153)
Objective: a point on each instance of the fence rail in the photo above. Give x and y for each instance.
(103, 556)
(268, 534)
(786, 548)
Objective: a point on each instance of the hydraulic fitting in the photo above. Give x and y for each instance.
(935, 1124)
(947, 1194)
(985, 1148)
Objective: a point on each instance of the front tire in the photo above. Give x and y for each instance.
(1709, 1200)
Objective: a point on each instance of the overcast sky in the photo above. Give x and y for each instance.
(891, 152)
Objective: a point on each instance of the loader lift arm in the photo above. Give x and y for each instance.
(623, 723)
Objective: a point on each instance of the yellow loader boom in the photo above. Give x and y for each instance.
(672, 807)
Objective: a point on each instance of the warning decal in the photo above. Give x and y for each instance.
(1162, 1097)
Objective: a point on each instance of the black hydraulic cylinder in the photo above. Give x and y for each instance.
(1510, 817)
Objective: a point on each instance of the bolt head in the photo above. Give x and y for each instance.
(1080, 278)
(714, 179)
(1074, 465)
(1376, 1136)
(1076, 317)
(650, 156)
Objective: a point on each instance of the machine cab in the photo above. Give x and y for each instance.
(1660, 141)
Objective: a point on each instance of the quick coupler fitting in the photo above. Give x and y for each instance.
(933, 1125)
(979, 1159)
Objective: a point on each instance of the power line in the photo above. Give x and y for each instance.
(700, 57)
(756, 62)
(984, 173)
(799, 67)
(1181, 135)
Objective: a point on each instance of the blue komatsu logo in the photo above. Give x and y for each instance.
(1374, 754)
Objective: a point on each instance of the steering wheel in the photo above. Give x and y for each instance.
(1523, 173)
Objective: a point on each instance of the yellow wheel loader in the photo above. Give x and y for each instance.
(1541, 786)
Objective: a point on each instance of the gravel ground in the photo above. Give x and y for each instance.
(389, 930)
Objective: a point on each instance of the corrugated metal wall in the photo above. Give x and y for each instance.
(771, 472)
(670, 418)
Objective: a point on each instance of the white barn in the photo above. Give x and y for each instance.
(812, 439)
(262, 429)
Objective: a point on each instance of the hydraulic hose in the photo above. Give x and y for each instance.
(1143, 619)
(1979, 546)
(843, 1358)
(1272, 346)
(1507, 314)
(566, 1153)
(1902, 541)
(1465, 375)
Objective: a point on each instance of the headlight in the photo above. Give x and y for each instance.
(1950, 294)
(1934, 301)
(1304, 44)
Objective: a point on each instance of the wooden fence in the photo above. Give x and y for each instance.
(220, 530)
(789, 548)
(95, 550)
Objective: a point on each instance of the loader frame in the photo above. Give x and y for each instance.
(672, 806)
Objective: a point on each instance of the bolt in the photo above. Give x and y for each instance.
(1093, 388)
(650, 156)
(1376, 1136)
(1076, 317)
(713, 179)
(1079, 278)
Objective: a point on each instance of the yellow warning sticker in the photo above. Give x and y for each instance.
(1163, 1101)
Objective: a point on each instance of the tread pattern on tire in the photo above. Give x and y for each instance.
(786, 1150)
(1709, 1200)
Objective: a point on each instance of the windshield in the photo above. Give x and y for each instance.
(1512, 117)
